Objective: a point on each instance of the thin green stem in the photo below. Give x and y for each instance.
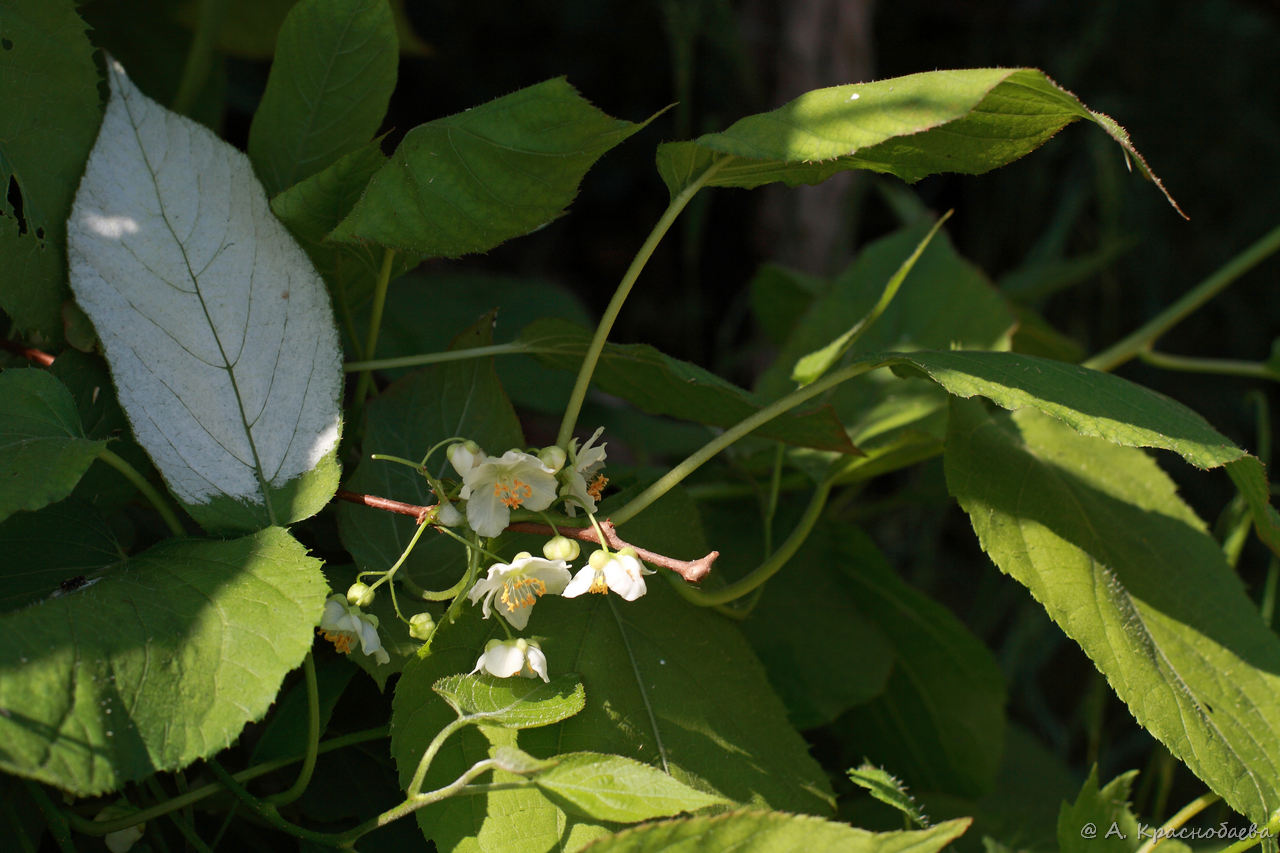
(313, 737)
(412, 804)
(148, 491)
(705, 453)
(375, 324)
(90, 827)
(770, 567)
(1179, 819)
(196, 68)
(182, 822)
(1120, 352)
(266, 810)
(592, 355)
(399, 460)
(512, 348)
(424, 763)
(1217, 366)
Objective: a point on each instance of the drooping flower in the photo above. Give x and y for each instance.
(505, 658)
(582, 482)
(343, 624)
(493, 486)
(518, 584)
(621, 572)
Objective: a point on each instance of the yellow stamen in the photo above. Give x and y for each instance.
(513, 494)
(598, 584)
(597, 486)
(341, 641)
(522, 592)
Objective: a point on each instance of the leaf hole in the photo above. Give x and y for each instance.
(14, 197)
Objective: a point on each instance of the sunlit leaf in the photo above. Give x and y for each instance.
(517, 703)
(622, 790)
(968, 121)
(1099, 536)
(216, 326)
(1105, 808)
(161, 662)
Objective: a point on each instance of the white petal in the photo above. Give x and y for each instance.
(486, 514)
(503, 660)
(581, 582)
(335, 610)
(538, 662)
(370, 644)
(517, 616)
(624, 574)
(449, 515)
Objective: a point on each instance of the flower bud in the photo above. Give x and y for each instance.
(561, 548)
(599, 559)
(463, 456)
(553, 457)
(421, 625)
(360, 594)
(628, 552)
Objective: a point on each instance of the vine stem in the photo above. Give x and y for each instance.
(1218, 366)
(1183, 815)
(1127, 348)
(148, 491)
(592, 355)
(705, 453)
(512, 348)
(375, 324)
(1272, 827)
(313, 737)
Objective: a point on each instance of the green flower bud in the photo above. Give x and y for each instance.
(599, 559)
(553, 457)
(421, 625)
(561, 548)
(360, 594)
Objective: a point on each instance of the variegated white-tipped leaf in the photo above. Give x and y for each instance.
(217, 328)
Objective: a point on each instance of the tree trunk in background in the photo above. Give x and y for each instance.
(803, 45)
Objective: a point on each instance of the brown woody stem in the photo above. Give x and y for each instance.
(691, 570)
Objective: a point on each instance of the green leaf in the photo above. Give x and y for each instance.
(43, 449)
(52, 546)
(888, 789)
(613, 788)
(216, 326)
(1099, 536)
(968, 121)
(779, 297)
(940, 721)
(660, 677)
(160, 663)
(811, 367)
(49, 114)
(470, 181)
(765, 832)
(459, 398)
(1104, 808)
(660, 384)
(514, 703)
(332, 76)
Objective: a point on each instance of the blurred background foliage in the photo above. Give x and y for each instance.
(1066, 231)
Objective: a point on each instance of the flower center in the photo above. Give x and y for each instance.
(513, 494)
(341, 640)
(597, 486)
(598, 584)
(522, 592)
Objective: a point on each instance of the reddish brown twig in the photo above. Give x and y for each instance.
(419, 513)
(29, 353)
(691, 570)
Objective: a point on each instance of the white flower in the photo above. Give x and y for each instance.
(505, 658)
(582, 485)
(493, 486)
(342, 624)
(518, 585)
(621, 572)
(448, 515)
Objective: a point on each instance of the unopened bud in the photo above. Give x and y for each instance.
(599, 559)
(463, 456)
(553, 457)
(360, 594)
(561, 548)
(421, 625)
